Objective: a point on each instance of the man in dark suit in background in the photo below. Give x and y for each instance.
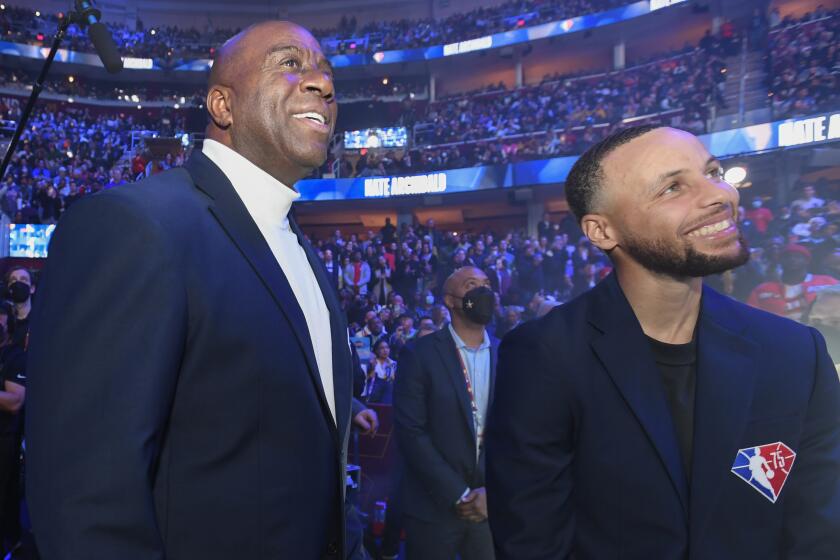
(189, 362)
(444, 385)
(333, 268)
(653, 417)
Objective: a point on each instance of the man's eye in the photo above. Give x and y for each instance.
(671, 188)
(716, 173)
(290, 63)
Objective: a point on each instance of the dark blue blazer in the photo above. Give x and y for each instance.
(582, 454)
(434, 426)
(175, 409)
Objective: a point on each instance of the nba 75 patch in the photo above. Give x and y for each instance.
(765, 467)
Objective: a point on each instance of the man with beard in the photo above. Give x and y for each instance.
(632, 422)
(444, 385)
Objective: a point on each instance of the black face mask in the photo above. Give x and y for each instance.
(478, 305)
(18, 292)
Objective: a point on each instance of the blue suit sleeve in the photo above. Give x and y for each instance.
(529, 442)
(812, 508)
(107, 335)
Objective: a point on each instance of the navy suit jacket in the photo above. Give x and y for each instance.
(175, 409)
(434, 426)
(582, 454)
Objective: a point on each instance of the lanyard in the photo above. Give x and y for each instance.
(479, 430)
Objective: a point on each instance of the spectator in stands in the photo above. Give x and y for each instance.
(12, 395)
(797, 288)
(19, 291)
(760, 215)
(381, 373)
(809, 200)
(357, 274)
(374, 329)
(824, 315)
(381, 281)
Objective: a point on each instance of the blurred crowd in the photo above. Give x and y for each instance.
(349, 37)
(804, 63)
(172, 43)
(390, 281)
(560, 116)
(193, 94)
(68, 152)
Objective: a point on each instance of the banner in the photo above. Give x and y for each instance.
(757, 138)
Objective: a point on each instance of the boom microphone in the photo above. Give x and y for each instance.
(100, 37)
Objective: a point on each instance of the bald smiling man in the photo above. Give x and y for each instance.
(191, 374)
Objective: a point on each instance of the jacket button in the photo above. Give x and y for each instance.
(332, 549)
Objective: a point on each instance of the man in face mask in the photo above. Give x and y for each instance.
(19, 290)
(440, 434)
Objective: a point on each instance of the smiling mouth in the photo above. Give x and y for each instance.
(313, 117)
(713, 230)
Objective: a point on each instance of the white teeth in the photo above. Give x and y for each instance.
(709, 230)
(312, 116)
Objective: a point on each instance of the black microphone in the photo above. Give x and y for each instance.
(100, 37)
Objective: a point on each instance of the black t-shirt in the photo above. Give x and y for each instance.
(678, 365)
(12, 368)
(20, 332)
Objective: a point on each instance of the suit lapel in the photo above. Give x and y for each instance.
(342, 372)
(725, 384)
(452, 366)
(626, 354)
(494, 353)
(234, 218)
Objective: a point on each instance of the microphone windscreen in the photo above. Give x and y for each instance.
(105, 47)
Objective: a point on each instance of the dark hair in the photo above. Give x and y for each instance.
(378, 344)
(585, 178)
(8, 276)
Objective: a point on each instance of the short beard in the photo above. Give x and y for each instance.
(682, 261)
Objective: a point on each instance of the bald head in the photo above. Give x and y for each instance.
(241, 52)
(462, 281)
(271, 99)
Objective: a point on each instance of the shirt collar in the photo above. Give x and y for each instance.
(267, 199)
(463, 345)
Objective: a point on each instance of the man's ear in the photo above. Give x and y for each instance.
(599, 231)
(219, 106)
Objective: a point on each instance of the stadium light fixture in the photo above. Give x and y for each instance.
(735, 175)
(71, 79)
(384, 81)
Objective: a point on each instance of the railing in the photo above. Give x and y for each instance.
(7, 126)
(639, 119)
(563, 79)
(743, 85)
(138, 136)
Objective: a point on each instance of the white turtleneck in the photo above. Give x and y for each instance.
(268, 202)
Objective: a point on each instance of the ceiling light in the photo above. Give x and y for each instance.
(735, 175)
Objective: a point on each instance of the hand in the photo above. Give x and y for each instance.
(473, 507)
(367, 422)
